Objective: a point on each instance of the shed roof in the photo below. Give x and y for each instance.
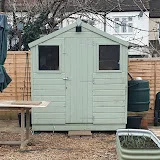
(84, 25)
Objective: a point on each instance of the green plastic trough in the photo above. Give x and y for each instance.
(137, 154)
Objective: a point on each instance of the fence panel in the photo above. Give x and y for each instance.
(148, 69)
(17, 66)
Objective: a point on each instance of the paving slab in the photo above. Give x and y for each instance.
(79, 134)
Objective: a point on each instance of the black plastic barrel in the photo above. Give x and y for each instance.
(134, 122)
(138, 95)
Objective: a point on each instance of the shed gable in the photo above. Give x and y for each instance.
(72, 28)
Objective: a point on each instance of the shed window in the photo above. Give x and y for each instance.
(109, 57)
(48, 57)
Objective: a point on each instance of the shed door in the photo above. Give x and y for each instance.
(79, 71)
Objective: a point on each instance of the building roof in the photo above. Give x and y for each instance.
(123, 5)
(154, 8)
(84, 25)
(98, 5)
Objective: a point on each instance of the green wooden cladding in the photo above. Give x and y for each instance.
(87, 99)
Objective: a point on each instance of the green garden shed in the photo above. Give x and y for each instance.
(83, 72)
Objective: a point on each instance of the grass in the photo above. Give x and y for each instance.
(137, 142)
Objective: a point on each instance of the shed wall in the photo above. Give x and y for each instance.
(49, 86)
(109, 104)
(110, 94)
(148, 69)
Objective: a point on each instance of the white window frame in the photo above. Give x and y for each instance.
(120, 20)
(60, 59)
(96, 59)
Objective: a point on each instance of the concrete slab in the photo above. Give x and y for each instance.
(79, 133)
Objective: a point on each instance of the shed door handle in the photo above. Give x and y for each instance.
(66, 78)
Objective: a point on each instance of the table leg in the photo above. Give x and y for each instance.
(22, 128)
(27, 123)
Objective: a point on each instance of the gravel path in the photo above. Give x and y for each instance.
(58, 146)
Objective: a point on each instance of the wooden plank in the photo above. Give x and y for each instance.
(145, 59)
(93, 127)
(24, 144)
(145, 67)
(45, 92)
(47, 121)
(108, 92)
(108, 109)
(79, 133)
(112, 115)
(13, 94)
(108, 98)
(21, 75)
(48, 115)
(19, 90)
(109, 87)
(10, 142)
(48, 81)
(26, 103)
(48, 75)
(109, 104)
(27, 123)
(22, 127)
(50, 98)
(109, 81)
(48, 87)
(52, 108)
(108, 75)
(109, 121)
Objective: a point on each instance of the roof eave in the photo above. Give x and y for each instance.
(87, 26)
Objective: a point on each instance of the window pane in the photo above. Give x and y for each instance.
(48, 57)
(124, 28)
(129, 18)
(109, 57)
(116, 19)
(130, 27)
(117, 26)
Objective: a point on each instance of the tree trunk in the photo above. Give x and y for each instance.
(2, 2)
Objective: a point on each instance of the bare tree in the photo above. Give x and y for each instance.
(43, 16)
(2, 3)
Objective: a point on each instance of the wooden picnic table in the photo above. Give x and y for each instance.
(22, 106)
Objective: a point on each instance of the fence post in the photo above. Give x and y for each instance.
(15, 75)
(155, 75)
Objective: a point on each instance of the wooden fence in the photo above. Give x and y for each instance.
(18, 67)
(148, 69)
